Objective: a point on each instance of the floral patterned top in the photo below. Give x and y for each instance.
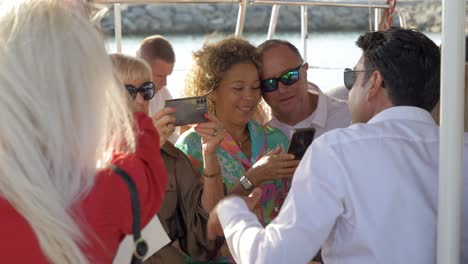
(234, 163)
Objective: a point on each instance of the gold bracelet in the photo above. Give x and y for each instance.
(211, 175)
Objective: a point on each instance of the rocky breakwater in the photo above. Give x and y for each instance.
(208, 18)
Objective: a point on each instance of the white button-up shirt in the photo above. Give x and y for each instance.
(366, 194)
(330, 113)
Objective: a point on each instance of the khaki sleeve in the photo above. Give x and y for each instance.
(194, 218)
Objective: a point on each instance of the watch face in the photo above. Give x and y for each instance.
(246, 183)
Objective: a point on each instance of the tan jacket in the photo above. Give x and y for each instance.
(181, 214)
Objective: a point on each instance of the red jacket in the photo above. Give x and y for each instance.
(106, 209)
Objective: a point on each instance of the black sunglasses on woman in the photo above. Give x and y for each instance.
(147, 90)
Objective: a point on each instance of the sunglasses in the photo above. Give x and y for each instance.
(288, 78)
(146, 90)
(349, 77)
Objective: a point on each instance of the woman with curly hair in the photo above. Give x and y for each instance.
(249, 155)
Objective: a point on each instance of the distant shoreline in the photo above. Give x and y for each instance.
(209, 18)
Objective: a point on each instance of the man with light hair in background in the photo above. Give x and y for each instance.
(285, 89)
(158, 52)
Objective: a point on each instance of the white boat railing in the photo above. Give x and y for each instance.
(304, 15)
(361, 4)
(273, 20)
(118, 11)
(136, 2)
(451, 132)
(241, 18)
(118, 27)
(304, 32)
(242, 11)
(377, 6)
(402, 18)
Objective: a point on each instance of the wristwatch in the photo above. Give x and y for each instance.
(246, 184)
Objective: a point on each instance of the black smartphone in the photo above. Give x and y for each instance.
(189, 110)
(300, 141)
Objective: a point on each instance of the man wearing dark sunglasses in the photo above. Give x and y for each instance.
(285, 88)
(367, 193)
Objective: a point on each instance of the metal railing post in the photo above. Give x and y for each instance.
(304, 32)
(320, 3)
(241, 18)
(273, 21)
(402, 18)
(377, 18)
(118, 27)
(451, 132)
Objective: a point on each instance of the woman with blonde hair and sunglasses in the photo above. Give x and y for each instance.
(188, 201)
(227, 72)
(62, 111)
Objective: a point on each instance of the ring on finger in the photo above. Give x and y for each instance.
(167, 130)
(215, 132)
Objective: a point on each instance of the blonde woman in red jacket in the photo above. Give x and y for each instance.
(62, 110)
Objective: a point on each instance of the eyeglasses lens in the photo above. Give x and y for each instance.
(269, 85)
(132, 91)
(349, 78)
(288, 78)
(146, 90)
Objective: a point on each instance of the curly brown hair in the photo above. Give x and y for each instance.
(213, 60)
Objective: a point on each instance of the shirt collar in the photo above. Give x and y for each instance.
(257, 140)
(317, 119)
(403, 112)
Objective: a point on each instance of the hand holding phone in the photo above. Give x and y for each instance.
(300, 141)
(163, 120)
(189, 110)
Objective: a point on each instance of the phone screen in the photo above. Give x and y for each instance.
(300, 141)
(189, 110)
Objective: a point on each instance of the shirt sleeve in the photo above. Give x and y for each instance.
(306, 217)
(147, 170)
(195, 242)
(108, 205)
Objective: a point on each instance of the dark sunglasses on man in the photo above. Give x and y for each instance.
(288, 78)
(349, 77)
(146, 90)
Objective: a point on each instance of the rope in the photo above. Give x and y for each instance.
(389, 15)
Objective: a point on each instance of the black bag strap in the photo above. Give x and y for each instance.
(141, 248)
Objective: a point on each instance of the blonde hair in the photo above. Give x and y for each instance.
(130, 69)
(62, 110)
(213, 60)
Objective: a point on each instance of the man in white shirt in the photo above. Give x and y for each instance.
(158, 52)
(366, 193)
(285, 90)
